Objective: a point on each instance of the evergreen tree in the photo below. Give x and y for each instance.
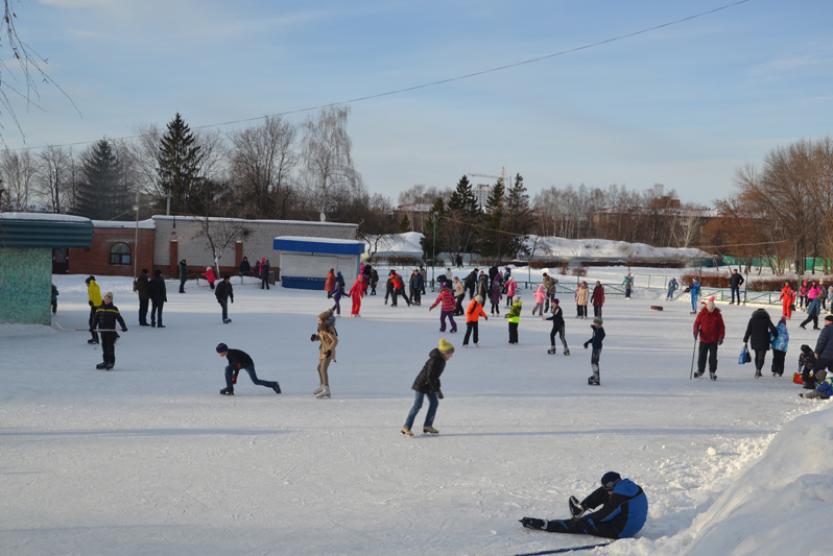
(404, 224)
(494, 242)
(463, 214)
(179, 167)
(102, 192)
(463, 199)
(436, 221)
(518, 216)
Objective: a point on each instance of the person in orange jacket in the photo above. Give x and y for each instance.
(330, 282)
(787, 300)
(356, 292)
(473, 313)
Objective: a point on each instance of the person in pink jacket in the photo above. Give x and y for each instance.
(540, 296)
(511, 287)
(447, 309)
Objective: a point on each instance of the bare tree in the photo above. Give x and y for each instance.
(18, 174)
(220, 234)
(56, 178)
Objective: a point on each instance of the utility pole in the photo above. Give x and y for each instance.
(433, 249)
(136, 237)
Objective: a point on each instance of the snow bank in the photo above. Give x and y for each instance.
(147, 224)
(559, 247)
(42, 216)
(406, 245)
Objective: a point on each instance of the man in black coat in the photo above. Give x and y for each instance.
(239, 360)
(264, 274)
(183, 275)
(427, 383)
(245, 267)
(735, 282)
(470, 283)
(158, 297)
(760, 329)
(105, 320)
(140, 286)
(824, 346)
(224, 292)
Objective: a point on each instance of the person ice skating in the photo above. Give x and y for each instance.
(598, 299)
(338, 293)
(447, 308)
(210, 276)
(158, 298)
(55, 295)
(495, 296)
(224, 293)
(94, 299)
(823, 389)
(471, 283)
(240, 360)
(596, 341)
(326, 335)
(141, 286)
(424, 273)
(540, 295)
(511, 289)
(483, 285)
(374, 281)
(329, 283)
(245, 267)
(710, 330)
(787, 300)
(582, 296)
(183, 275)
(780, 343)
(459, 295)
(623, 512)
(558, 327)
(672, 287)
(264, 273)
(628, 283)
(367, 272)
(802, 294)
(513, 317)
(106, 317)
(473, 313)
(416, 284)
(549, 291)
(759, 330)
(813, 308)
(694, 291)
(427, 384)
(356, 292)
(735, 282)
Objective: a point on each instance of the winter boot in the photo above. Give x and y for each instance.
(551, 351)
(713, 376)
(323, 394)
(227, 391)
(430, 430)
(101, 365)
(277, 388)
(406, 432)
(226, 321)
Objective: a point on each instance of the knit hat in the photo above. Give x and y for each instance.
(90, 277)
(445, 346)
(222, 348)
(325, 315)
(598, 321)
(109, 294)
(610, 479)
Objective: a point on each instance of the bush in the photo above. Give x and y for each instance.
(579, 271)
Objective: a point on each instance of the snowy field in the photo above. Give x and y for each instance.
(150, 459)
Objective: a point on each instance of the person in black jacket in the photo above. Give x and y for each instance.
(558, 326)
(427, 383)
(140, 286)
(158, 297)
(224, 292)
(596, 341)
(760, 329)
(264, 274)
(735, 282)
(106, 317)
(183, 275)
(239, 360)
(245, 267)
(416, 286)
(470, 283)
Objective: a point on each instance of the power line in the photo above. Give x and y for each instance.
(444, 81)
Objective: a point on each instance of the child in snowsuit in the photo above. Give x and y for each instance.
(356, 292)
(596, 341)
(326, 334)
(806, 364)
(427, 383)
(447, 309)
(540, 295)
(514, 318)
(780, 343)
(473, 313)
(558, 327)
(238, 360)
(824, 389)
(106, 317)
(624, 509)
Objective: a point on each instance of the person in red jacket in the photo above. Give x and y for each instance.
(447, 309)
(709, 328)
(330, 282)
(473, 313)
(356, 293)
(398, 288)
(598, 299)
(787, 300)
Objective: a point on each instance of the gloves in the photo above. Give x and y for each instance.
(313, 337)
(533, 523)
(586, 344)
(232, 300)
(720, 342)
(440, 394)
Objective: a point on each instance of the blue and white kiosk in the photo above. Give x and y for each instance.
(305, 261)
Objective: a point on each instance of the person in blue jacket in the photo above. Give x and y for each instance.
(694, 289)
(780, 343)
(624, 509)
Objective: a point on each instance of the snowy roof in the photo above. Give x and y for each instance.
(147, 224)
(226, 219)
(313, 239)
(51, 216)
(560, 247)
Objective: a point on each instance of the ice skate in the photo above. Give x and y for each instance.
(227, 391)
(551, 351)
(92, 341)
(576, 508)
(324, 393)
(698, 374)
(101, 365)
(566, 352)
(713, 376)
(318, 390)
(406, 432)
(277, 388)
(430, 430)
(226, 321)
(593, 380)
(109, 367)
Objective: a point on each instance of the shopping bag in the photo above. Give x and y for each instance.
(744, 356)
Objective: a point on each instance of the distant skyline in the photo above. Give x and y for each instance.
(684, 106)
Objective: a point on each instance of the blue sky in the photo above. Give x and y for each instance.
(684, 106)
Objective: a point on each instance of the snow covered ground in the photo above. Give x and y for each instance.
(150, 459)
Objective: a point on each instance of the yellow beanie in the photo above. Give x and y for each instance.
(445, 346)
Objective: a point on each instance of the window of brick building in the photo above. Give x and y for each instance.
(120, 254)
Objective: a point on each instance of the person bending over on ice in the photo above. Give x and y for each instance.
(427, 383)
(326, 334)
(823, 390)
(596, 340)
(238, 360)
(624, 509)
(106, 317)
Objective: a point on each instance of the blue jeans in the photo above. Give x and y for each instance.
(694, 302)
(252, 375)
(433, 402)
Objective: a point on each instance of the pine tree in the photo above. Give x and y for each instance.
(435, 222)
(463, 199)
(180, 163)
(463, 215)
(494, 242)
(404, 224)
(518, 216)
(102, 192)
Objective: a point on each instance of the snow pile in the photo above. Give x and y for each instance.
(42, 216)
(558, 247)
(406, 245)
(147, 224)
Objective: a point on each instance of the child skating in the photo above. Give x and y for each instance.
(596, 341)
(427, 383)
(514, 319)
(326, 334)
(558, 327)
(105, 319)
(473, 313)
